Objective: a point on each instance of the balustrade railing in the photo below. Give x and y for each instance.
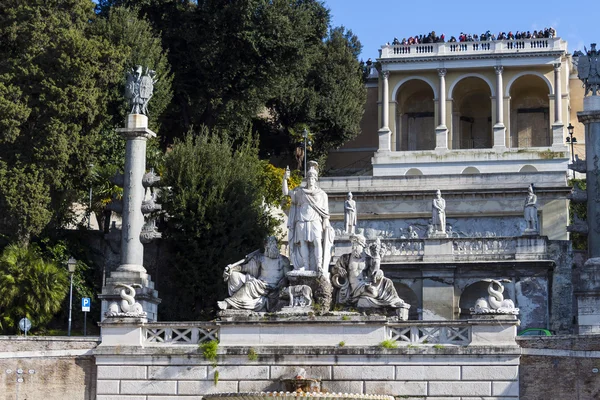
(403, 247)
(179, 333)
(489, 247)
(459, 48)
(430, 333)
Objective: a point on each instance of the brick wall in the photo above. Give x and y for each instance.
(560, 367)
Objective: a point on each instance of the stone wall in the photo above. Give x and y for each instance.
(417, 372)
(565, 366)
(53, 368)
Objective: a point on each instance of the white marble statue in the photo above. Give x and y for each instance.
(128, 306)
(530, 211)
(495, 303)
(254, 283)
(412, 234)
(350, 215)
(310, 235)
(359, 280)
(438, 213)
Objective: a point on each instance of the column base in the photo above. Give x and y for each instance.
(499, 136)
(385, 139)
(132, 268)
(441, 137)
(145, 294)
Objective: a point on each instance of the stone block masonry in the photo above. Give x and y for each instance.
(417, 372)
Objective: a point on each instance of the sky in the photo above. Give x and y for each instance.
(376, 22)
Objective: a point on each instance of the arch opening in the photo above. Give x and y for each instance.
(472, 114)
(530, 113)
(415, 119)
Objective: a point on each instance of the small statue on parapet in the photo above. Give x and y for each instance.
(254, 283)
(438, 215)
(139, 89)
(350, 215)
(360, 282)
(530, 212)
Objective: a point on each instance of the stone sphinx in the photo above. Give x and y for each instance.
(359, 281)
(255, 282)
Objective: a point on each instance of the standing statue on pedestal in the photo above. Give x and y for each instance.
(139, 88)
(438, 213)
(255, 282)
(310, 234)
(359, 280)
(350, 215)
(530, 211)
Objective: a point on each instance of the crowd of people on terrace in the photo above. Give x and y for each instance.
(432, 37)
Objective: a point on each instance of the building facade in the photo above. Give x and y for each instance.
(482, 122)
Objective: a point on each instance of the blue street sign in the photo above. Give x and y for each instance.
(86, 303)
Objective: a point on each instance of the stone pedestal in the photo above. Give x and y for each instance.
(588, 295)
(499, 137)
(441, 137)
(321, 287)
(558, 139)
(385, 138)
(147, 296)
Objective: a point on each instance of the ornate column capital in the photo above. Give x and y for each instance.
(385, 74)
(498, 69)
(557, 67)
(442, 72)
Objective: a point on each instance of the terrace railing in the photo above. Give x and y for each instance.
(467, 48)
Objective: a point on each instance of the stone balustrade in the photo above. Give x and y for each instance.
(456, 249)
(431, 332)
(473, 48)
(177, 333)
(355, 330)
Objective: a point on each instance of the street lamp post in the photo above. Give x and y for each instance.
(571, 140)
(90, 204)
(71, 266)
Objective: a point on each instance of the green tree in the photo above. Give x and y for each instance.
(55, 74)
(61, 72)
(269, 64)
(216, 216)
(29, 287)
(329, 99)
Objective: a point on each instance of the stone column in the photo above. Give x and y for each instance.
(557, 127)
(499, 128)
(588, 296)
(441, 132)
(131, 271)
(384, 132)
(132, 251)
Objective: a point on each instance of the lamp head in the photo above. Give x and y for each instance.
(71, 264)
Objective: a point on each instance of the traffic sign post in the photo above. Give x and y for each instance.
(25, 325)
(86, 304)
